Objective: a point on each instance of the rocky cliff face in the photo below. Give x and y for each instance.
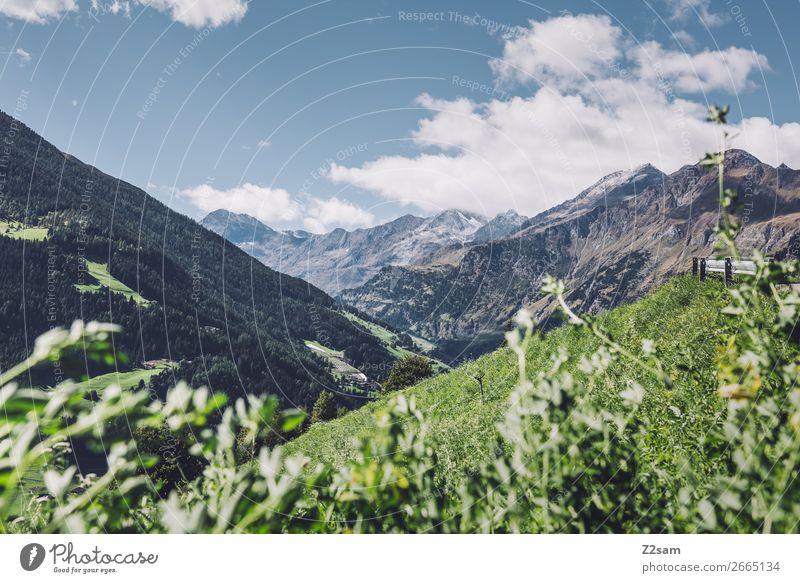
(611, 244)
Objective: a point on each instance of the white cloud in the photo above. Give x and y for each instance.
(727, 70)
(277, 208)
(200, 13)
(38, 11)
(118, 7)
(99, 8)
(686, 10)
(194, 13)
(564, 47)
(570, 51)
(770, 143)
(263, 144)
(607, 105)
(683, 37)
(324, 215)
(23, 56)
(264, 203)
(531, 153)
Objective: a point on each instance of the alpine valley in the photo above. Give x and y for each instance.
(456, 279)
(76, 243)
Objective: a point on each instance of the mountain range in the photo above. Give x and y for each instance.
(455, 279)
(612, 243)
(78, 243)
(342, 259)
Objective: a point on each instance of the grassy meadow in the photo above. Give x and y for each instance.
(17, 230)
(99, 271)
(681, 318)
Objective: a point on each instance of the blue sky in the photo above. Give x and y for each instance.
(346, 113)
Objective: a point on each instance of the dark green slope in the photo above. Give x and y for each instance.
(233, 323)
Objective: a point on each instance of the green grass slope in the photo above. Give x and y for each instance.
(17, 230)
(127, 379)
(681, 318)
(99, 272)
(389, 341)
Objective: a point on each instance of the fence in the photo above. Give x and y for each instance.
(728, 265)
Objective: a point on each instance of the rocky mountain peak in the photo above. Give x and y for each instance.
(236, 227)
(735, 158)
(456, 221)
(631, 181)
(503, 225)
(226, 215)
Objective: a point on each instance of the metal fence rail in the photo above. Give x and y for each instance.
(728, 265)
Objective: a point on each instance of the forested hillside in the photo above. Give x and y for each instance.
(232, 323)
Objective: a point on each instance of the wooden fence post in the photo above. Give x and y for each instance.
(702, 269)
(479, 376)
(694, 266)
(728, 271)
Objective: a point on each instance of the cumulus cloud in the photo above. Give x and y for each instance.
(769, 142)
(38, 11)
(264, 203)
(726, 70)
(119, 7)
(200, 13)
(684, 38)
(565, 47)
(601, 103)
(532, 153)
(570, 51)
(277, 208)
(194, 13)
(324, 215)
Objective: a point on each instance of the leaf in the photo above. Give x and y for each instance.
(634, 395)
(291, 419)
(56, 483)
(730, 500)
(707, 514)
